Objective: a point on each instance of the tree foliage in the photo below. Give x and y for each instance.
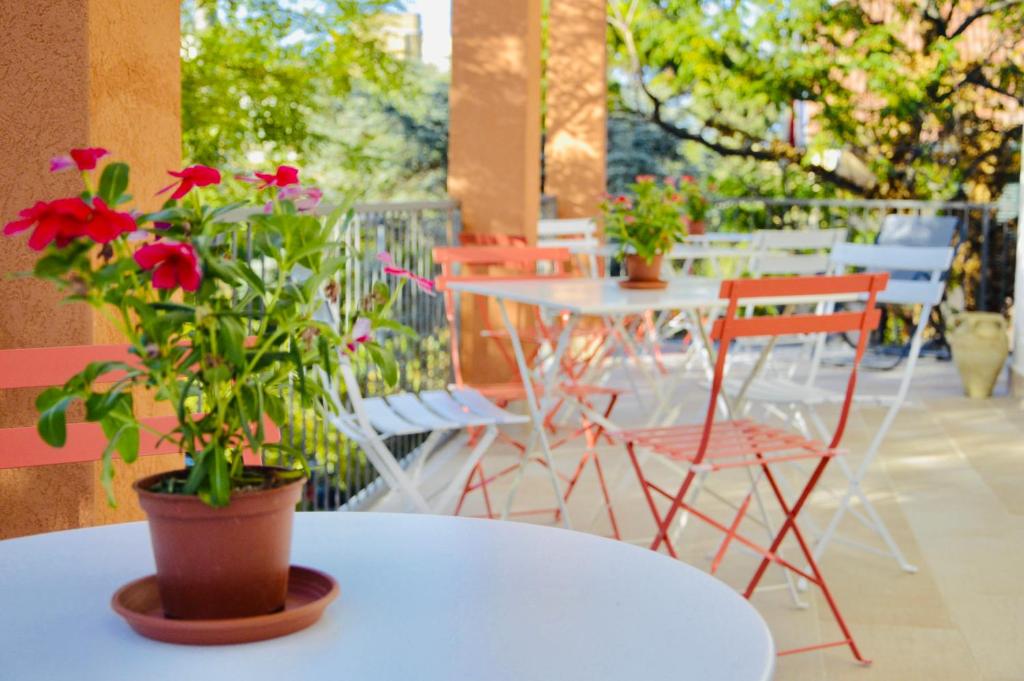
(905, 91)
(255, 73)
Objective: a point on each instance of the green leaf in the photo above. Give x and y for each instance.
(52, 426)
(113, 182)
(220, 479)
(385, 361)
(300, 368)
(231, 334)
(197, 474)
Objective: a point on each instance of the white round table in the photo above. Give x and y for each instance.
(423, 598)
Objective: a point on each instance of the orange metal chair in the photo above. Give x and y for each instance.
(473, 263)
(712, 446)
(46, 367)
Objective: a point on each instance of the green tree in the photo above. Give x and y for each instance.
(380, 145)
(256, 73)
(928, 116)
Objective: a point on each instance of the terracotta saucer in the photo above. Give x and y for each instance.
(309, 592)
(658, 284)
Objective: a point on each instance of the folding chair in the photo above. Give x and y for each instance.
(368, 422)
(793, 251)
(805, 396)
(731, 444)
(570, 232)
(936, 231)
(468, 263)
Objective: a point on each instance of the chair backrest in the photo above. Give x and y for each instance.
(465, 264)
(793, 251)
(930, 265)
(818, 289)
(580, 232)
(920, 231)
(917, 230)
(45, 367)
(931, 262)
(481, 239)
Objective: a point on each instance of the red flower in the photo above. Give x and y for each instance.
(83, 159)
(176, 264)
(106, 224)
(643, 179)
(62, 220)
(623, 200)
(193, 176)
(688, 179)
(284, 176)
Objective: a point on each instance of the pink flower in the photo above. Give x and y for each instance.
(643, 179)
(424, 284)
(174, 264)
(191, 177)
(360, 333)
(62, 221)
(83, 159)
(285, 176)
(305, 199)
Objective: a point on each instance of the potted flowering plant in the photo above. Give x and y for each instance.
(218, 329)
(696, 204)
(646, 227)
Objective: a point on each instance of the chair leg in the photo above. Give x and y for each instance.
(466, 470)
(650, 501)
(790, 525)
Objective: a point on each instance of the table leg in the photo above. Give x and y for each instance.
(536, 414)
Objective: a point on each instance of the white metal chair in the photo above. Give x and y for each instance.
(793, 251)
(572, 233)
(368, 422)
(801, 398)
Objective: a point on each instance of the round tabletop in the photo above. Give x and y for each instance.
(422, 597)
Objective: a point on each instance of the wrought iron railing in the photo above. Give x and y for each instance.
(341, 477)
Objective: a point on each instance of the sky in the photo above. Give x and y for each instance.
(436, 17)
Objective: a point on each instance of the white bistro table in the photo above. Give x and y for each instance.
(423, 598)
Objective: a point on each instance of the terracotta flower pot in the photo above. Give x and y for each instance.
(218, 563)
(695, 227)
(643, 274)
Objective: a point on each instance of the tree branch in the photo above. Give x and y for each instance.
(774, 153)
(986, 9)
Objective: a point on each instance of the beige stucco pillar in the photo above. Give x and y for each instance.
(575, 148)
(494, 125)
(75, 73)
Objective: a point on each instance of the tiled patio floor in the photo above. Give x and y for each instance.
(949, 484)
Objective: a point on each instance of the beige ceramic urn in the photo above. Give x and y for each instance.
(980, 347)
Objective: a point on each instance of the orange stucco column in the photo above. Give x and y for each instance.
(494, 143)
(494, 124)
(75, 73)
(575, 148)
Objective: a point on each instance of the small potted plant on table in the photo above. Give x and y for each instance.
(218, 329)
(645, 226)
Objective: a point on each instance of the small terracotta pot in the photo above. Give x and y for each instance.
(218, 563)
(638, 269)
(694, 227)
